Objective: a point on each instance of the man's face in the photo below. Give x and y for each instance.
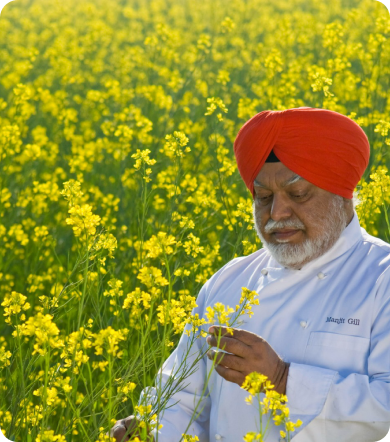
(296, 220)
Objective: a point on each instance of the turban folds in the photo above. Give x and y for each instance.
(324, 147)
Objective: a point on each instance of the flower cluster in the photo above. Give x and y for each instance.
(142, 160)
(225, 315)
(273, 402)
(176, 145)
(189, 438)
(374, 198)
(14, 304)
(5, 354)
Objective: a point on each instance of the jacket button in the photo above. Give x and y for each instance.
(321, 275)
(303, 324)
(218, 437)
(264, 272)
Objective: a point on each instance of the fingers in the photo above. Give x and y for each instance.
(229, 344)
(230, 375)
(119, 431)
(230, 361)
(244, 336)
(127, 429)
(131, 423)
(124, 429)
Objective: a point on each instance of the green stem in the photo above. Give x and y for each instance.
(79, 420)
(81, 303)
(23, 395)
(110, 390)
(44, 396)
(261, 416)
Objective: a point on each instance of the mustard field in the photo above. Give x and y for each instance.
(119, 191)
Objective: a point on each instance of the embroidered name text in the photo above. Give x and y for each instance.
(339, 321)
(342, 320)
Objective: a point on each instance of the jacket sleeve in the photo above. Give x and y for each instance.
(354, 408)
(178, 412)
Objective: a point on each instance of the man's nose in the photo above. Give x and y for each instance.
(280, 208)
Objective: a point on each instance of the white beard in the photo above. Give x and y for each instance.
(334, 220)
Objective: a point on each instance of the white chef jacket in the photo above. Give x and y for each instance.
(330, 320)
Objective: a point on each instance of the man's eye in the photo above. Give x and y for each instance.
(263, 198)
(299, 196)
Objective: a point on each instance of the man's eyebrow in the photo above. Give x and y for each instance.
(256, 183)
(291, 180)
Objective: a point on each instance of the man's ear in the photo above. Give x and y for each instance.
(348, 203)
(348, 206)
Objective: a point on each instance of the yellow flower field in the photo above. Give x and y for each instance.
(119, 191)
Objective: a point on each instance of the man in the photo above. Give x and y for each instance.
(321, 332)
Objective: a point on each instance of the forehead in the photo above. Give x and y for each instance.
(276, 174)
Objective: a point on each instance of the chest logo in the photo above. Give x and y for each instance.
(342, 320)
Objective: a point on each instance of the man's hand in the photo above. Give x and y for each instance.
(250, 352)
(126, 429)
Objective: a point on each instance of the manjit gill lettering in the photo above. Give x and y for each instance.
(338, 321)
(342, 320)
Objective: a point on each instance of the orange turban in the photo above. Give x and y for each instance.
(324, 147)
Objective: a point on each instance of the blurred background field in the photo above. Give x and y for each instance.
(119, 192)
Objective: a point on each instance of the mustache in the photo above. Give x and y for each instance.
(272, 225)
